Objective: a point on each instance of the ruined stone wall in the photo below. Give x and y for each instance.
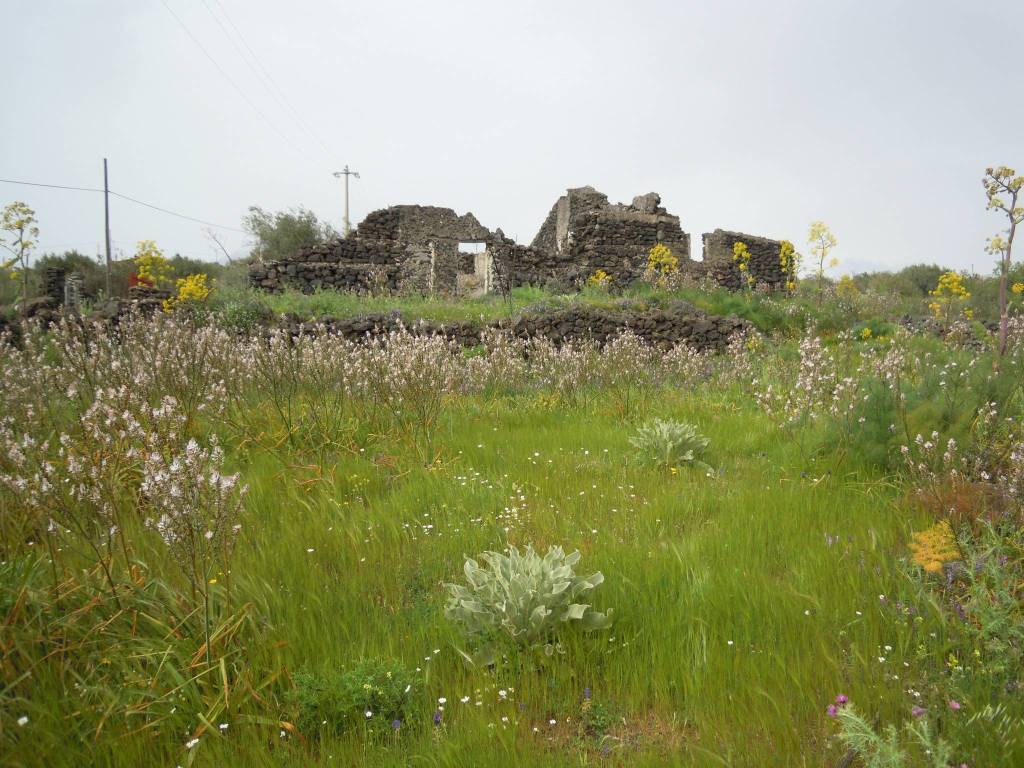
(341, 264)
(417, 247)
(518, 265)
(614, 238)
(546, 238)
(664, 328)
(425, 223)
(401, 247)
(764, 266)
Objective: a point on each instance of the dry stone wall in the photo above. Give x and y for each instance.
(765, 265)
(613, 238)
(414, 247)
(663, 328)
(402, 247)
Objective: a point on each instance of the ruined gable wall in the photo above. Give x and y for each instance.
(423, 223)
(618, 238)
(411, 246)
(598, 235)
(764, 259)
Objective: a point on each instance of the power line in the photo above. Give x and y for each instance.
(272, 87)
(51, 186)
(179, 215)
(233, 84)
(124, 197)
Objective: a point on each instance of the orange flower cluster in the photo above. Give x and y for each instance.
(935, 546)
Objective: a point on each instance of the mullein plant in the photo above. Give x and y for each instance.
(523, 600)
(671, 444)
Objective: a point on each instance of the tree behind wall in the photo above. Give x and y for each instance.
(281, 234)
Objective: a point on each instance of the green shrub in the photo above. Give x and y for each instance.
(243, 312)
(873, 328)
(667, 443)
(523, 598)
(374, 696)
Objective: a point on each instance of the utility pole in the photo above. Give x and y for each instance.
(106, 220)
(346, 173)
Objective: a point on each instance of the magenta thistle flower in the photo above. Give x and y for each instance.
(917, 711)
(841, 699)
(832, 710)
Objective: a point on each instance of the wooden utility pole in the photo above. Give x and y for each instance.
(346, 173)
(106, 220)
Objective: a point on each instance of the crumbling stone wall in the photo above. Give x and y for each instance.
(414, 247)
(404, 246)
(615, 238)
(765, 265)
(516, 265)
(677, 323)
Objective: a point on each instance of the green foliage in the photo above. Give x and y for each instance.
(598, 717)
(922, 277)
(133, 662)
(887, 749)
(241, 310)
(873, 328)
(375, 697)
(525, 598)
(21, 229)
(670, 444)
(281, 234)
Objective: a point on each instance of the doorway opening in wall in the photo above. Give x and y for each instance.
(472, 247)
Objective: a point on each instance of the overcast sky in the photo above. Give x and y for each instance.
(877, 117)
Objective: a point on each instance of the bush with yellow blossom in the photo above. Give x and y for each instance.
(847, 290)
(661, 265)
(934, 547)
(150, 264)
(789, 263)
(949, 298)
(600, 280)
(741, 257)
(191, 291)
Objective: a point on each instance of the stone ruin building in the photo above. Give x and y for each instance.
(434, 250)
(402, 247)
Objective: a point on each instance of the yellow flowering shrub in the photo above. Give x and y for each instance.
(949, 297)
(741, 257)
(865, 333)
(192, 289)
(933, 547)
(846, 289)
(661, 261)
(1018, 288)
(150, 264)
(789, 261)
(600, 279)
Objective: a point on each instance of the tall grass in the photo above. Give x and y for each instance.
(745, 597)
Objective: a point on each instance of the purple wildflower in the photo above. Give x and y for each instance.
(586, 692)
(396, 724)
(832, 710)
(954, 705)
(437, 717)
(917, 711)
(842, 699)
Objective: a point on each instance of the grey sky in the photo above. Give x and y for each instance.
(878, 117)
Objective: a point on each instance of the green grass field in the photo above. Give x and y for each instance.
(746, 596)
